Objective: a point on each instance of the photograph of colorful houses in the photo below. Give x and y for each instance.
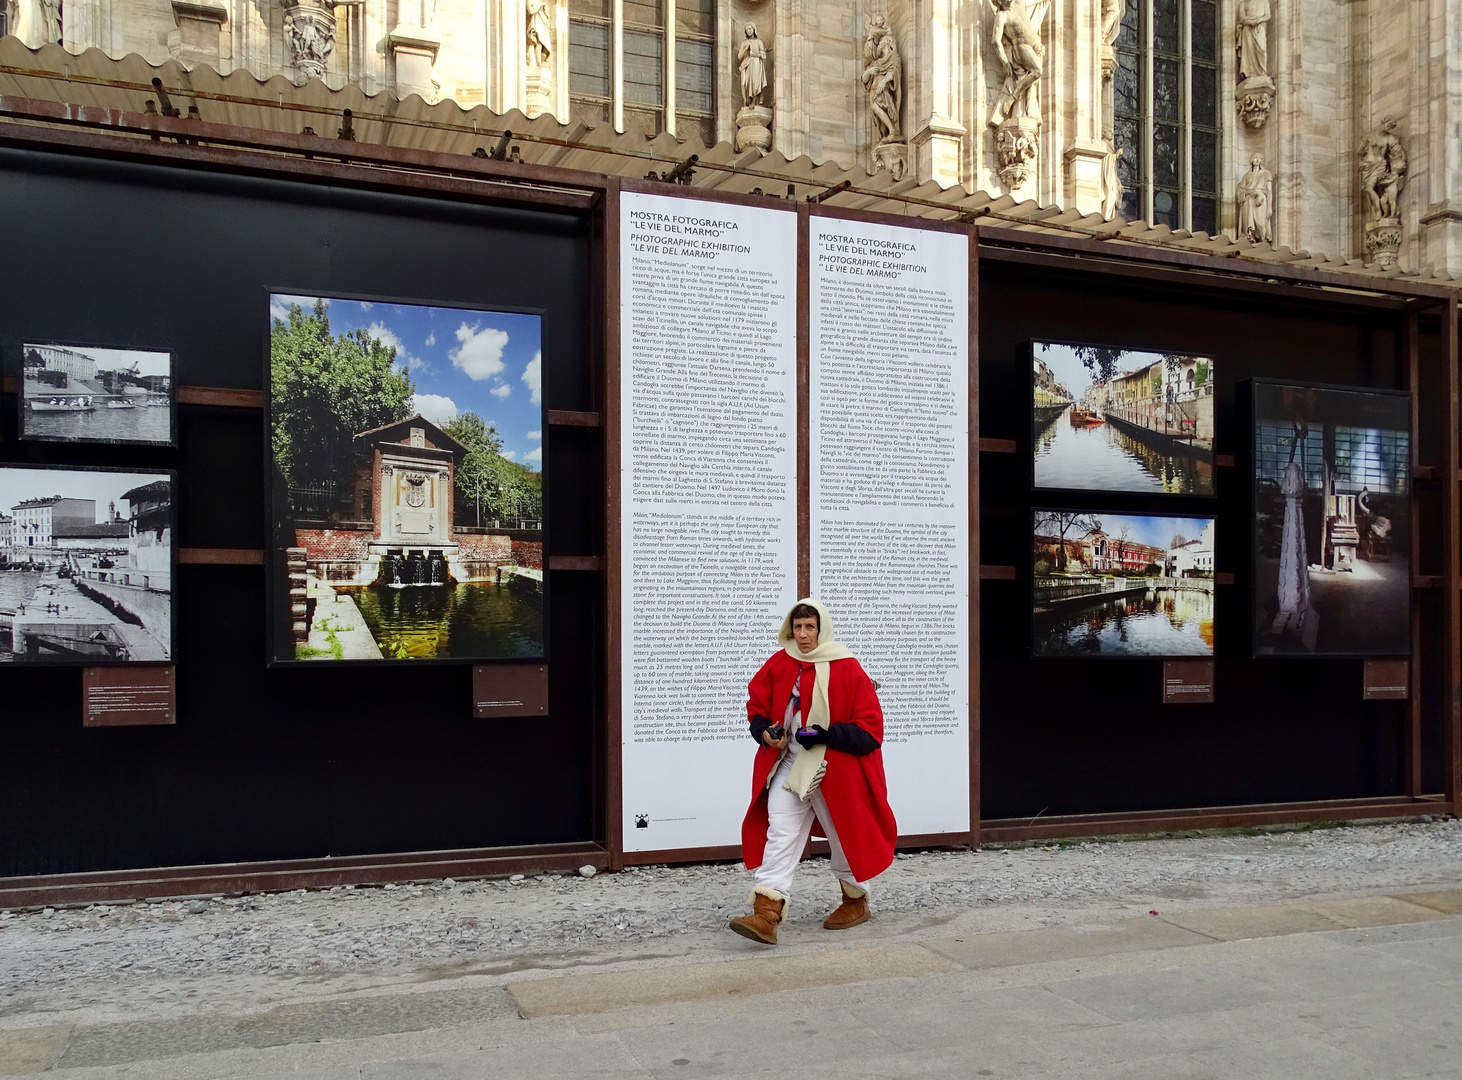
(86, 565)
(1332, 540)
(407, 486)
(1106, 419)
(1121, 584)
(77, 393)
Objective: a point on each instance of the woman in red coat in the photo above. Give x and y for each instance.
(816, 716)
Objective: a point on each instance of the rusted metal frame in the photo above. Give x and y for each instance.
(574, 418)
(972, 454)
(255, 163)
(881, 217)
(804, 401)
(1075, 826)
(1014, 245)
(707, 195)
(191, 133)
(1411, 741)
(611, 409)
(281, 876)
(221, 556)
(1452, 542)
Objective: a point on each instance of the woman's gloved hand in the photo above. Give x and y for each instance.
(810, 737)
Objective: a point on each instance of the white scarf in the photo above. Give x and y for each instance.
(808, 768)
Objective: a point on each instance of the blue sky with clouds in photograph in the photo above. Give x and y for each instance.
(460, 360)
(1152, 530)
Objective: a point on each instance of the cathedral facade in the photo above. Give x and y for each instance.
(1331, 126)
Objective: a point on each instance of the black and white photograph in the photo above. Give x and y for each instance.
(1112, 419)
(1332, 532)
(86, 565)
(90, 394)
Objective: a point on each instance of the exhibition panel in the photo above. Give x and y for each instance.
(406, 443)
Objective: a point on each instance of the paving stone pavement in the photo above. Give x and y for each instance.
(1340, 986)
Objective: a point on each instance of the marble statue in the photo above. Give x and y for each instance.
(50, 20)
(1255, 199)
(1382, 178)
(1113, 11)
(1383, 170)
(1253, 39)
(1295, 614)
(1016, 34)
(751, 58)
(1112, 187)
(540, 32)
(883, 78)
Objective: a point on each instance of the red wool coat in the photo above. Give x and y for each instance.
(854, 787)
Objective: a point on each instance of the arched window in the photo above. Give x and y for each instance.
(1165, 112)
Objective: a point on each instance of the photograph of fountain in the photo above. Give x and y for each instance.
(1332, 541)
(1108, 419)
(81, 393)
(407, 484)
(1121, 584)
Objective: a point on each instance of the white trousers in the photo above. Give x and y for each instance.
(788, 826)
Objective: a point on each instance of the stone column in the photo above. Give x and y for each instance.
(298, 594)
(938, 135)
(200, 27)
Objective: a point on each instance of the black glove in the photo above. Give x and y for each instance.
(810, 737)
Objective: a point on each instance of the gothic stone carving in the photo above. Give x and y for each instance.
(540, 33)
(1016, 145)
(1382, 178)
(1112, 187)
(1255, 92)
(753, 122)
(310, 32)
(1255, 198)
(883, 79)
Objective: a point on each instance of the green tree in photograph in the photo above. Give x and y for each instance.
(1201, 372)
(324, 389)
(484, 478)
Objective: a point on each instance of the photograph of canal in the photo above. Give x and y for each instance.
(1107, 419)
(407, 486)
(1332, 540)
(1121, 584)
(79, 393)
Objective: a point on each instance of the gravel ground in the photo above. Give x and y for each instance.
(125, 955)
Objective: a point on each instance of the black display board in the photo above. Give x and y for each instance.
(285, 763)
(1096, 737)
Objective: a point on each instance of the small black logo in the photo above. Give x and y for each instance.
(642, 821)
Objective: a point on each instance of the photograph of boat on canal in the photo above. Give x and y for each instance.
(1106, 419)
(1332, 521)
(1121, 584)
(86, 565)
(407, 487)
(77, 393)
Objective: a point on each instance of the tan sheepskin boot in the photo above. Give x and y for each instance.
(761, 925)
(852, 911)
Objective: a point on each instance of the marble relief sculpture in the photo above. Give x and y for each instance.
(1015, 33)
(753, 121)
(1255, 92)
(1382, 179)
(883, 80)
(309, 31)
(1255, 200)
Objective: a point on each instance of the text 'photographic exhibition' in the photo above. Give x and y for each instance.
(86, 565)
(1332, 521)
(83, 393)
(1121, 584)
(407, 487)
(708, 529)
(889, 491)
(1110, 419)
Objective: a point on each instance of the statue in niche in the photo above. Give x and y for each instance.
(540, 33)
(883, 78)
(310, 32)
(1016, 34)
(751, 60)
(1255, 198)
(1383, 170)
(1253, 39)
